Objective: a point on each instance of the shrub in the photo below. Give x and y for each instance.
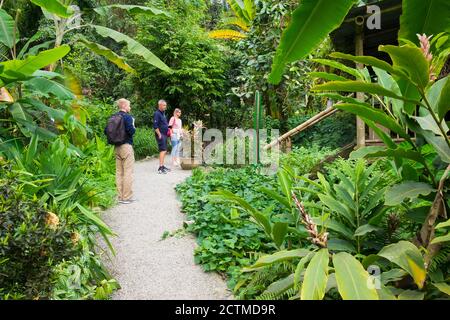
(145, 143)
(32, 242)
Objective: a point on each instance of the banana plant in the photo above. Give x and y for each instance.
(245, 12)
(67, 18)
(314, 20)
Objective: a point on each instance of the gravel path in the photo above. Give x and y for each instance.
(146, 266)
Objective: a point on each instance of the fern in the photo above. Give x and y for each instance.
(440, 259)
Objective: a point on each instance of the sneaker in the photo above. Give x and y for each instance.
(167, 169)
(161, 170)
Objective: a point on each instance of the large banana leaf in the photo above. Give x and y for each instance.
(55, 7)
(7, 29)
(133, 46)
(424, 16)
(352, 280)
(311, 23)
(133, 9)
(46, 87)
(238, 8)
(34, 63)
(108, 54)
(316, 276)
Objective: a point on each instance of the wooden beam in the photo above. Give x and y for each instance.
(305, 125)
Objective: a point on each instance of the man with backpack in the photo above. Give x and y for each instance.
(119, 131)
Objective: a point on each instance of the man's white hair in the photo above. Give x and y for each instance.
(162, 101)
(122, 102)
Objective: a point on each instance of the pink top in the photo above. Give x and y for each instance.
(176, 126)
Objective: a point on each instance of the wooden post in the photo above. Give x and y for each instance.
(359, 51)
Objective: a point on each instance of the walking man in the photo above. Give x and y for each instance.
(120, 130)
(161, 127)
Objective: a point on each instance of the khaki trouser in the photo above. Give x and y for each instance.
(124, 171)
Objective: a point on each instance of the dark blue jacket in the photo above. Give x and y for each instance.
(160, 122)
(129, 126)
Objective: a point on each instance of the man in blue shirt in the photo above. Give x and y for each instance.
(125, 155)
(161, 127)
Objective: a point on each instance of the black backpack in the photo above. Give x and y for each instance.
(115, 130)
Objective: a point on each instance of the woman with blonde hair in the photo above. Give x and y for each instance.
(176, 126)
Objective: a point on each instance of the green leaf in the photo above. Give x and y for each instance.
(439, 144)
(301, 267)
(279, 256)
(352, 280)
(410, 93)
(133, 46)
(374, 115)
(441, 239)
(398, 153)
(340, 245)
(133, 9)
(46, 86)
(411, 295)
(367, 60)
(407, 256)
(7, 30)
(326, 76)
(443, 287)
(285, 183)
(34, 63)
(398, 193)
(316, 276)
(427, 123)
(441, 225)
(279, 232)
(365, 229)
(276, 196)
(443, 105)
(108, 54)
(388, 82)
(366, 151)
(280, 286)
(359, 86)
(424, 16)
(336, 226)
(393, 275)
(55, 7)
(310, 24)
(337, 207)
(411, 61)
(339, 66)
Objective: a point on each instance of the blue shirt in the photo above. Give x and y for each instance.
(129, 126)
(160, 122)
